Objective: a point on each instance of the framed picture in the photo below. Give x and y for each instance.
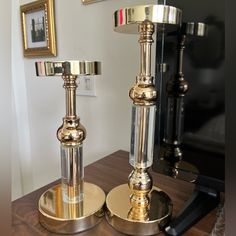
(38, 28)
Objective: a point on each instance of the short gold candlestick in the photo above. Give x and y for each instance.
(74, 205)
(139, 208)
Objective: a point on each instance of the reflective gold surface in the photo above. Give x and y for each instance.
(72, 132)
(139, 208)
(119, 212)
(73, 206)
(55, 68)
(126, 20)
(144, 91)
(140, 184)
(62, 217)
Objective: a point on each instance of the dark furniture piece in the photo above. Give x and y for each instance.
(203, 123)
(107, 173)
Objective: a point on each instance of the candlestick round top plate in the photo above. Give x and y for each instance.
(57, 68)
(197, 29)
(126, 20)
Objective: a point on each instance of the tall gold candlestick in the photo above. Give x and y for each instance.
(139, 208)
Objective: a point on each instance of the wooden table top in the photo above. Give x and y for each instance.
(107, 173)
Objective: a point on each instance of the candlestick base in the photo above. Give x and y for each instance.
(119, 208)
(68, 218)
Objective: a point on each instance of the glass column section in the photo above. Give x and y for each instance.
(142, 136)
(72, 173)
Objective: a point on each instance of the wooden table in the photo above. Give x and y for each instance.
(107, 173)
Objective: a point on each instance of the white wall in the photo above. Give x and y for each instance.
(83, 32)
(5, 119)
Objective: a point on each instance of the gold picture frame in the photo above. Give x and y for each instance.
(38, 28)
(86, 2)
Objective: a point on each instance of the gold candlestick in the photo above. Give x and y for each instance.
(140, 208)
(74, 205)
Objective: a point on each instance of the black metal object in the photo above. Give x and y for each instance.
(202, 160)
(202, 201)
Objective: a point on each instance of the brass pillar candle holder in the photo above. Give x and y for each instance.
(74, 205)
(139, 208)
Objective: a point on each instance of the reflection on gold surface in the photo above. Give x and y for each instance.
(126, 20)
(140, 184)
(59, 207)
(63, 217)
(78, 68)
(119, 211)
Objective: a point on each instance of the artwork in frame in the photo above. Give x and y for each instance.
(38, 28)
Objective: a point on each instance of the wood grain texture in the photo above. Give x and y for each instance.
(107, 173)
